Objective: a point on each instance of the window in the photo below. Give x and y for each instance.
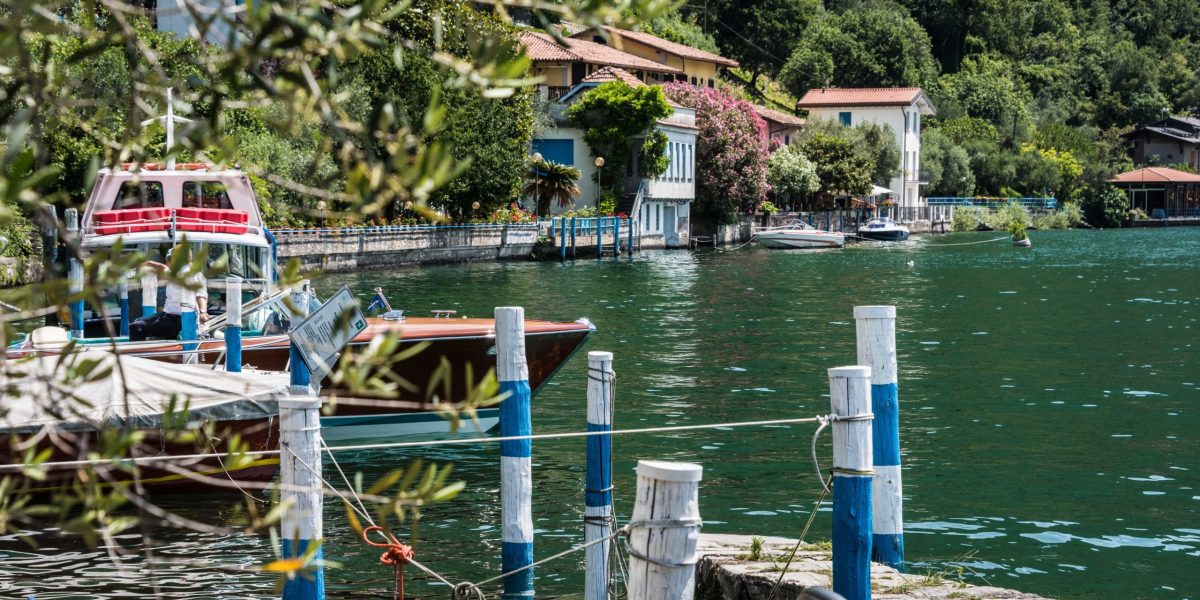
(657, 217)
(906, 124)
(145, 194)
(711, 83)
(205, 194)
(917, 122)
(691, 164)
(844, 118)
(693, 80)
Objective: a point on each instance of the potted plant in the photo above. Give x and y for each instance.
(1020, 238)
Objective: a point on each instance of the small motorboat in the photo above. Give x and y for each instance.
(883, 229)
(799, 235)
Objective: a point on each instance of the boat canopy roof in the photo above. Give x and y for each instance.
(42, 393)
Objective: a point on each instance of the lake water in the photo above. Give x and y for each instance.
(1050, 414)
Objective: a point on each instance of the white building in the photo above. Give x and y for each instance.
(899, 108)
(664, 209)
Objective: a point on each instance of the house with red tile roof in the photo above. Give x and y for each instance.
(563, 65)
(1161, 192)
(696, 66)
(900, 109)
(782, 128)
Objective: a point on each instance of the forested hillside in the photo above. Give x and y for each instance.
(1032, 95)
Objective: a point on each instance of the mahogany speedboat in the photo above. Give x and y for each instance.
(150, 208)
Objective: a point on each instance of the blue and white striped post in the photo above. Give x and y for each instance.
(572, 238)
(189, 331)
(616, 237)
(876, 328)
(516, 470)
(233, 324)
(300, 473)
(562, 239)
(599, 237)
(597, 510)
(850, 399)
(74, 274)
(123, 303)
(149, 292)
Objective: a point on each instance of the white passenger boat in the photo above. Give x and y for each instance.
(883, 230)
(799, 235)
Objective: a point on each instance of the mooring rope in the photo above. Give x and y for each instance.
(1003, 237)
(824, 421)
(812, 516)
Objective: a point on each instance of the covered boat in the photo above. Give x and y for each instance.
(67, 403)
(799, 235)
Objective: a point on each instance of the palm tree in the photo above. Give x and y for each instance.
(551, 181)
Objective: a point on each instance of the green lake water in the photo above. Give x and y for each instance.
(1050, 420)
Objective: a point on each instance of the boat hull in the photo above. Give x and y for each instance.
(884, 235)
(800, 240)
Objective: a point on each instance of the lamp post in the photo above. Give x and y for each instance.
(537, 179)
(599, 162)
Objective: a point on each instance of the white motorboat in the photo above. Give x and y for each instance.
(883, 230)
(799, 235)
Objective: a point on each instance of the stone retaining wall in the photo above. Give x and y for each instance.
(333, 250)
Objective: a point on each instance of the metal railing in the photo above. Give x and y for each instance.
(992, 203)
(405, 228)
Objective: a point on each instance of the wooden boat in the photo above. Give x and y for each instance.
(883, 229)
(151, 208)
(799, 235)
(69, 408)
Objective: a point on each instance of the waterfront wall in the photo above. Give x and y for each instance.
(342, 250)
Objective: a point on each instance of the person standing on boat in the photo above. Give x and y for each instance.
(167, 323)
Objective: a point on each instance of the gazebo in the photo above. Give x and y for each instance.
(1161, 192)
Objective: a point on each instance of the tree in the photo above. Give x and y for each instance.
(613, 115)
(731, 153)
(985, 89)
(759, 35)
(791, 174)
(1105, 206)
(549, 182)
(682, 30)
(948, 164)
(874, 144)
(871, 47)
(839, 168)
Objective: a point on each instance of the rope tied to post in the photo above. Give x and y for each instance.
(396, 554)
(824, 421)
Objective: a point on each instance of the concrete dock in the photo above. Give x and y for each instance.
(729, 568)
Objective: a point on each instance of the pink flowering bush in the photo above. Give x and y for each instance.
(731, 153)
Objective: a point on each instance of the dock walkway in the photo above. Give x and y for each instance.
(726, 571)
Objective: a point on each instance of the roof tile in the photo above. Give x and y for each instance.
(1156, 175)
(666, 46)
(834, 97)
(541, 47)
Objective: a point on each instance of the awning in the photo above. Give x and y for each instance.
(879, 191)
(39, 392)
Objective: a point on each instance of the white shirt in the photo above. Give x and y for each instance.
(178, 295)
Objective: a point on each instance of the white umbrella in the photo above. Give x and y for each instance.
(879, 191)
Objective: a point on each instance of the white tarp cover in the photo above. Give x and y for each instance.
(36, 392)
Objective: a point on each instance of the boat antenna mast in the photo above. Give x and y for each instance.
(169, 120)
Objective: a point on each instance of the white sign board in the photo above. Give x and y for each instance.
(325, 332)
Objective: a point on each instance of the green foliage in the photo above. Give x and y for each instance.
(768, 207)
(1105, 206)
(874, 46)
(759, 35)
(612, 115)
(968, 218)
(948, 164)
(652, 156)
(960, 130)
(791, 174)
(606, 205)
(985, 89)
(1012, 217)
(840, 169)
(873, 146)
(682, 30)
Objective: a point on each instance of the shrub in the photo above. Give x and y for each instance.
(968, 218)
(1053, 220)
(1004, 217)
(1105, 206)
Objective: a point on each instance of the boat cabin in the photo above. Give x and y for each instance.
(151, 209)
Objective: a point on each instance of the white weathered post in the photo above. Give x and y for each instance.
(149, 292)
(233, 324)
(302, 525)
(850, 398)
(876, 327)
(123, 304)
(597, 511)
(516, 470)
(75, 273)
(663, 531)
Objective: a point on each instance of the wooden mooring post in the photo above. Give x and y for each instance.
(876, 329)
(573, 231)
(850, 399)
(599, 237)
(597, 511)
(233, 324)
(302, 525)
(516, 477)
(562, 239)
(663, 530)
(616, 237)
